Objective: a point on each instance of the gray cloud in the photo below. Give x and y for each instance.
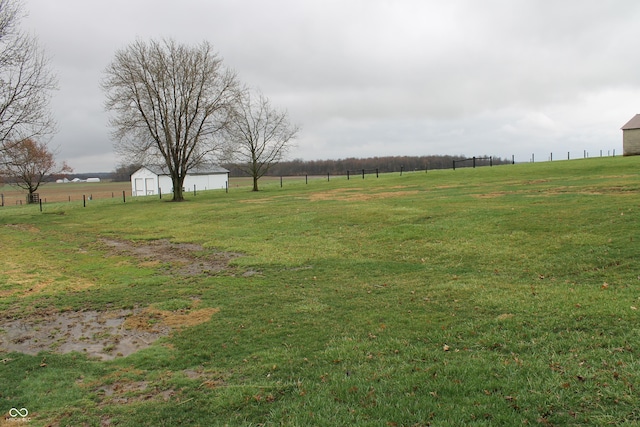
(377, 77)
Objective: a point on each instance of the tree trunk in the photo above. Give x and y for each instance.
(255, 183)
(177, 188)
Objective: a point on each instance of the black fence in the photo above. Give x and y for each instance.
(471, 162)
(476, 161)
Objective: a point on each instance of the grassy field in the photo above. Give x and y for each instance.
(488, 296)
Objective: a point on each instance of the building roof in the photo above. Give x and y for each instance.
(634, 123)
(207, 169)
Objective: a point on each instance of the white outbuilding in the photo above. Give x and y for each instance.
(149, 180)
(631, 137)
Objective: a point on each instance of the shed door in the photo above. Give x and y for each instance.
(149, 185)
(139, 186)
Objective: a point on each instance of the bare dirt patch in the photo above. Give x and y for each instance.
(356, 194)
(186, 259)
(104, 335)
(116, 333)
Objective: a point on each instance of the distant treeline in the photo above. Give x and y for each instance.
(341, 166)
(382, 164)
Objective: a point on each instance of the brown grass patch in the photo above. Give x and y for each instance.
(26, 284)
(24, 227)
(152, 319)
(357, 194)
(490, 195)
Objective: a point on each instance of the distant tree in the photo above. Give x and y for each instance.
(123, 172)
(26, 81)
(171, 102)
(259, 136)
(27, 163)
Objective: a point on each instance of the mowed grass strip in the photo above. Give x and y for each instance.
(488, 296)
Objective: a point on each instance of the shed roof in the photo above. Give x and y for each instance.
(207, 169)
(634, 123)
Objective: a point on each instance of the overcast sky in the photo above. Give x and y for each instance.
(368, 78)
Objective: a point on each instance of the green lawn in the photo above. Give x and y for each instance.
(488, 296)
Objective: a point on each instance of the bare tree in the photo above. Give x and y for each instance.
(26, 81)
(259, 136)
(171, 102)
(27, 163)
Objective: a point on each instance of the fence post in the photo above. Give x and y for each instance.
(551, 156)
(454, 165)
(84, 201)
(474, 162)
(376, 172)
(194, 189)
(2, 197)
(226, 186)
(306, 179)
(568, 155)
(362, 173)
(280, 181)
(513, 159)
(401, 168)
(347, 175)
(328, 176)
(123, 197)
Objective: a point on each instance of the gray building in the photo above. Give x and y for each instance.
(631, 137)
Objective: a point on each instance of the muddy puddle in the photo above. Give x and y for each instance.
(102, 335)
(96, 334)
(185, 258)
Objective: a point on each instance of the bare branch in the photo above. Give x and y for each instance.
(260, 135)
(26, 81)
